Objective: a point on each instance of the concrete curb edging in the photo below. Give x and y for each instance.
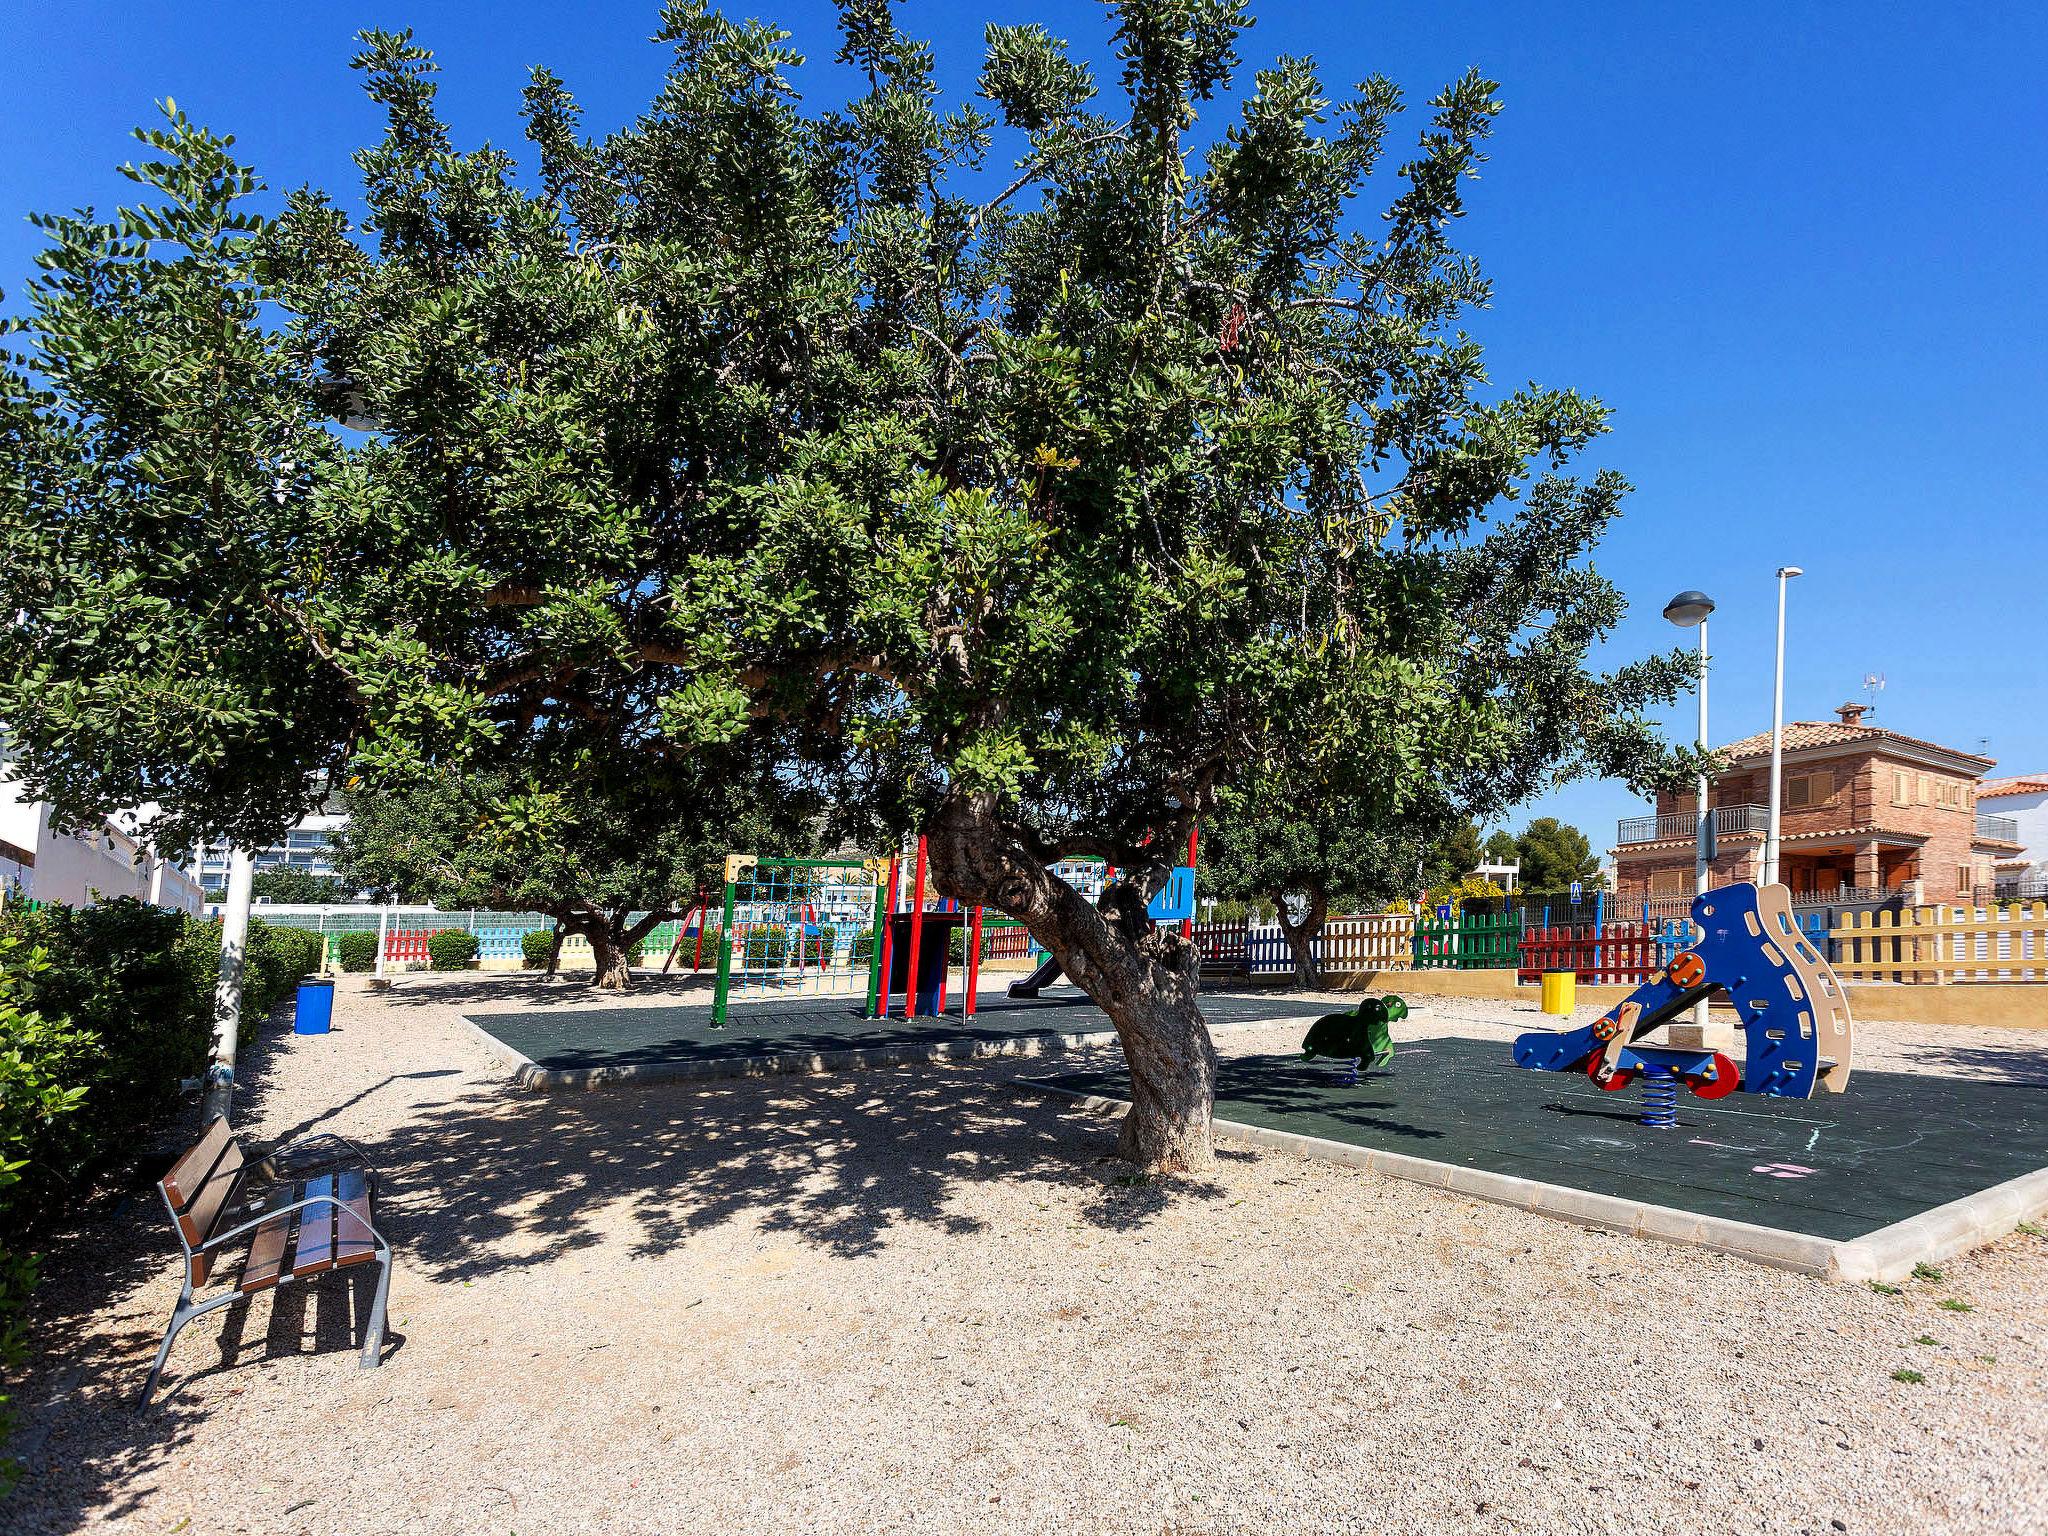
(529, 1074)
(1886, 1254)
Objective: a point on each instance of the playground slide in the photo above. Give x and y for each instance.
(1044, 976)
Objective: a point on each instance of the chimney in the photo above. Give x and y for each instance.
(1851, 714)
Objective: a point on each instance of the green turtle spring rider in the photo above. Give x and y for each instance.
(1791, 1008)
(1360, 1038)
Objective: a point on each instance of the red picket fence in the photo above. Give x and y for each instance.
(1013, 943)
(1618, 952)
(408, 943)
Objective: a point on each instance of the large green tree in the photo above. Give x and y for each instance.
(1554, 853)
(1033, 506)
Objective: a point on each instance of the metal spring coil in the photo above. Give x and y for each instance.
(1660, 1098)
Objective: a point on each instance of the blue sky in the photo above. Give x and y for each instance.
(1797, 248)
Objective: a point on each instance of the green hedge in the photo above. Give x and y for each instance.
(535, 944)
(357, 952)
(451, 949)
(103, 1010)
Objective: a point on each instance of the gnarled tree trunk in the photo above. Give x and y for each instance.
(1142, 975)
(1301, 937)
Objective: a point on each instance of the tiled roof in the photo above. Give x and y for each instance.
(1802, 734)
(2025, 784)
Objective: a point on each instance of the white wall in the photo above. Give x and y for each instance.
(2031, 812)
(77, 870)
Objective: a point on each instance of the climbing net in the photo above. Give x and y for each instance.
(799, 926)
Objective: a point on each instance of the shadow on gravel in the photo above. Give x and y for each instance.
(495, 1180)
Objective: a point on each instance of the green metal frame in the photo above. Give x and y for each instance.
(721, 997)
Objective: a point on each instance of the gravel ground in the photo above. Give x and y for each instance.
(916, 1300)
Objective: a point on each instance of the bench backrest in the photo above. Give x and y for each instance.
(198, 1188)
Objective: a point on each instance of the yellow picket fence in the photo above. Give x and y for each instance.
(1940, 945)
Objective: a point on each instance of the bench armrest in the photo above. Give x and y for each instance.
(244, 1228)
(312, 1136)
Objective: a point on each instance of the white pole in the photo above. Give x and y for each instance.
(1702, 868)
(1785, 573)
(227, 991)
(383, 926)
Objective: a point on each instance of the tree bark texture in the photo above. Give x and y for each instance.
(1301, 937)
(1140, 974)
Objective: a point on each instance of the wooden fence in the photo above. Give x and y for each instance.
(1379, 941)
(1939, 945)
(1469, 941)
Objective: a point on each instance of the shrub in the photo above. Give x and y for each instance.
(536, 944)
(357, 952)
(636, 952)
(450, 949)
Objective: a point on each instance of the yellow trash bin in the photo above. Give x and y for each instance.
(1560, 992)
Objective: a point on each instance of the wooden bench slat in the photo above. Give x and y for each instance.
(198, 1219)
(264, 1266)
(352, 1241)
(188, 1174)
(316, 1231)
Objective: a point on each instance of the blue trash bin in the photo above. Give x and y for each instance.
(313, 1013)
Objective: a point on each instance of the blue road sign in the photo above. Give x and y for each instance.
(1577, 891)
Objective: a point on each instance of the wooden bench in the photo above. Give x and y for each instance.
(302, 1216)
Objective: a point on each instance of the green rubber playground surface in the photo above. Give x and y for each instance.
(1836, 1167)
(570, 1039)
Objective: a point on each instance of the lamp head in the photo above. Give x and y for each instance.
(1688, 609)
(1790, 570)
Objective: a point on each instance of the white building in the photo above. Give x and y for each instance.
(2025, 800)
(41, 861)
(307, 848)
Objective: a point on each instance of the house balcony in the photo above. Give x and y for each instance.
(1998, 829)
(1729, 820)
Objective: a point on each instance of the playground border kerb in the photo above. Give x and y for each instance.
(1888, 1254)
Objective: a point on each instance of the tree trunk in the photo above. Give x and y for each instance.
(555, 950)
(1141, 975)
(607, 945)
(1301, 937)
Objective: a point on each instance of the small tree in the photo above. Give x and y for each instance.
(610, 867)
(1281, 841)
(1500, 848)
(1554, 853)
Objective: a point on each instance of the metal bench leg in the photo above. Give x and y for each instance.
(179, 1318)
(373, 1332)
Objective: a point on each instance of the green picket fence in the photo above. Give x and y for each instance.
(1470, 941)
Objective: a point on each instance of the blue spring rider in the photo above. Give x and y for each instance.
(1791, 1008)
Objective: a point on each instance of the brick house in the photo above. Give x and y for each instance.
(1868, 813)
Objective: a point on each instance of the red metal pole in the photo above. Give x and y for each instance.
(916, 933)
(973, 961)
(888, 940)
(1187, 924)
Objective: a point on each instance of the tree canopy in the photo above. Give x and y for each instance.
(1036, 507)
(1554, 853)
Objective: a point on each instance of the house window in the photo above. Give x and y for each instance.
(1667, 882)
(1963, 880)
(1902, 790)
(1809, 789)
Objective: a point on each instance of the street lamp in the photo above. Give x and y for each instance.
(1785, 574)
(1686, 610)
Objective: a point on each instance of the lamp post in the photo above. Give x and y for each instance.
(1685, 610)
(1785, 574)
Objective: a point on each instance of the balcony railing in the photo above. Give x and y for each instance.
(1657, 829)
(2001, 829)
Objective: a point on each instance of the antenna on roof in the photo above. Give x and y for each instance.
(1873, 685)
